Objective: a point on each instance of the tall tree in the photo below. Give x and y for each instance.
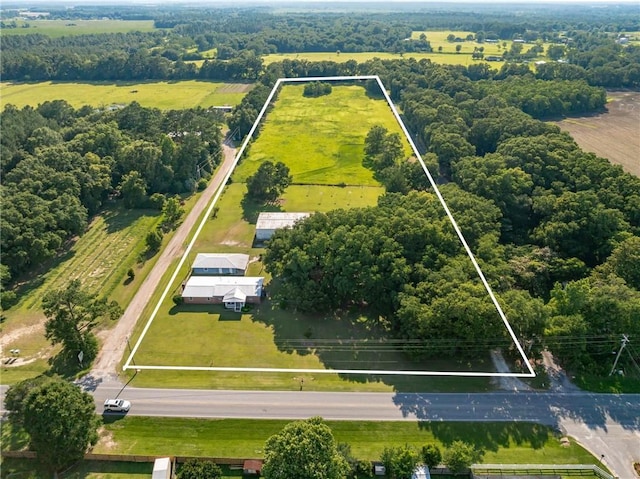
(269, 181)
(460, 455)
(304, 450)
(61, 422)
(72, 313)
(199, 469)
(400, 462)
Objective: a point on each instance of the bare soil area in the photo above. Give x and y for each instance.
(615, 134)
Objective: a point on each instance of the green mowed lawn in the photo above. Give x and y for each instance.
(504, 443)
(163, 95)
(59, 28)
(321, 140)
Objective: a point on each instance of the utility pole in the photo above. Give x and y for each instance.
(625, 340)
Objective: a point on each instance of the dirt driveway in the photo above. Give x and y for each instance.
(114, 341)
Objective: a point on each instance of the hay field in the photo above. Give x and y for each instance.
(320, 139)
(614, 135)
(163, 95)
(60, 28)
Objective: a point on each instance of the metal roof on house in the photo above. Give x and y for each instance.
(278, 219)
(221, 260)
(220, 286)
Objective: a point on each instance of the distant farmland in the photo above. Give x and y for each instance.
(614, 135)
(163, 94)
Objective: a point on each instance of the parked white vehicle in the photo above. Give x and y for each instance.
(117, 405)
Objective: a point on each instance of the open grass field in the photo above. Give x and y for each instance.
(614, 135)
(163, 95)
(446, 56)
(60, 28)
(321, 140)
(450, 58)
(100, 259)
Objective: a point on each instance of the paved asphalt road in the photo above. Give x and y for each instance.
(604, 423)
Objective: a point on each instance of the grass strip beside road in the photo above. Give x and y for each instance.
(506, 443)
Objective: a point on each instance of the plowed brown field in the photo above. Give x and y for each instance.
(615, 134)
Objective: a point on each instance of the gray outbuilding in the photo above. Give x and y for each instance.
(269, 222)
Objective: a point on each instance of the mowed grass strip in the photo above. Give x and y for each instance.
(60, 28)
(321, 139)
(506, 443)
(163, 95)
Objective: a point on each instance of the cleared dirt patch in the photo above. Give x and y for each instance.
(614, 135)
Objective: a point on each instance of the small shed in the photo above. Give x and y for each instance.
(252, 467)
(219, 264)
(269, 222)
(162, 468)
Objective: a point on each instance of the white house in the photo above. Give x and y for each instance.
(232, 291)
(268, 223)
(220, 264)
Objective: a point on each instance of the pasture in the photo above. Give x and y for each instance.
(163, 95)
(320, 139)
(438, 39)
(61, 28)
(612, 135)
(442, 58)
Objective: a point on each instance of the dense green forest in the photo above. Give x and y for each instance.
(239, 37)
(60, 165)
(556, 230)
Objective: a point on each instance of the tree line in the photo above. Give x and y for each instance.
(240, 37)
(60, 165)
(555, 229)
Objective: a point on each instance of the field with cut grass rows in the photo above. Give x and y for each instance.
(163, 95)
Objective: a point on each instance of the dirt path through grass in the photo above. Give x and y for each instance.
(115, 340)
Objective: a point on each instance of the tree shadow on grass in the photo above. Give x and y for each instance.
(118, 218)
(350, 340)
(251, 209)
(491, 436)
(196, 308)
(67, 366)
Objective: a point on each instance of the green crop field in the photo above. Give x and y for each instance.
(59, 28)
(163, 95)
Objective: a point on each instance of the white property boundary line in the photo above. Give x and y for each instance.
(280, 81)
